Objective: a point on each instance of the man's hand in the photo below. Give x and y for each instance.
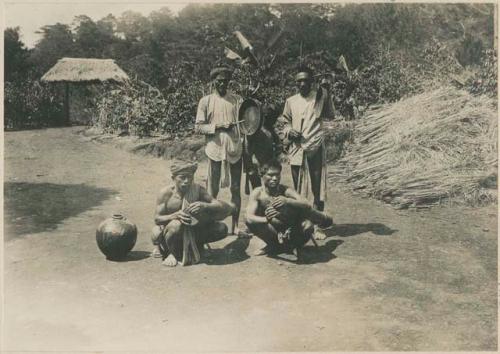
(224, 126)
(294, 135)
(271, 213)
(183, 217)
(195, 208)
(278, 202)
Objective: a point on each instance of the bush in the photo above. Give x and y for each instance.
(140, 109)
(393, 75)
(31, 104)
(485, 79)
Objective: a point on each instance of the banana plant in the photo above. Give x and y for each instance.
(262, 61)
(248, 54)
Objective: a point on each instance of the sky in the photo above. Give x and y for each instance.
(32, 15)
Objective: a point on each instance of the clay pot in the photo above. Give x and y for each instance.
(116, 236)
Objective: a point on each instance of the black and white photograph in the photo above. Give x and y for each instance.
(241, 177)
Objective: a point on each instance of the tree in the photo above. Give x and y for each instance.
(16, 55)
(88, 38)
(133, 26)
(56, 43)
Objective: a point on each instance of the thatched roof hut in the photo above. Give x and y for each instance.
(85, 70)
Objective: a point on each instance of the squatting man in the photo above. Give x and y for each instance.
(279, 216)
(186, 218)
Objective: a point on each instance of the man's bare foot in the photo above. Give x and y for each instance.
(267, 250)
(260, 252)
(290, 255)
(170, 261)
(156, 252)
(319, 234)
(240, 233)
(243, 234)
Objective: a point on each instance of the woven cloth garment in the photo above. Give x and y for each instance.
(189, 246)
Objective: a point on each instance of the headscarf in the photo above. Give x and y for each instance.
(181, 166)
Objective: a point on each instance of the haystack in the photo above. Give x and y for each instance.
(429, 149)
(83, 70)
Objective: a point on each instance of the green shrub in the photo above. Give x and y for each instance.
(140, 109)
(31, 104)
(485, 79)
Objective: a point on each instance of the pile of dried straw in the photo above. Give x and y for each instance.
(435, 147)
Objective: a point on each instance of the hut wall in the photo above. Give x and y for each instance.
(82, 103)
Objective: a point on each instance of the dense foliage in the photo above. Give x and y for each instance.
(31, 104)
(391, 50)
(485, 79)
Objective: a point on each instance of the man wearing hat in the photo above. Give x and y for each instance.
(186, 217)
(303, 117)
(217, 118)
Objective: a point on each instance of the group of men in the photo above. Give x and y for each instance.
(189, 215)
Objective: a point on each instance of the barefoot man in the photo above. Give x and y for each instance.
(279, 216)
(186, 217)
(216, 118)
(303, 117)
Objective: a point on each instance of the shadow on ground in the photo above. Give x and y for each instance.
(133, 256)
(37, 207)
(321, 254)
(346, 230)
(313, 254)
(233, 252)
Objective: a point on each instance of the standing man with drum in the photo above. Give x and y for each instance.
(303, 115)
(217, 118)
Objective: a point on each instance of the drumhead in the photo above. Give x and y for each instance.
(250, 116)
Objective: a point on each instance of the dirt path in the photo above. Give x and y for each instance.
(383, 280)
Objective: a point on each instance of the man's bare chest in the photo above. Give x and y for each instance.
(173, 204)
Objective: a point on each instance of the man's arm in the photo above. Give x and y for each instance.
(209, 207)
(286, 119)
(252, 206)
(293, 199)
(207, 201)
(161, 216)
(202, 125)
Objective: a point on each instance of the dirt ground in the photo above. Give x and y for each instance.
(384, 280)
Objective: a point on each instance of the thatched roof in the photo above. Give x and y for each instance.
(85, 70)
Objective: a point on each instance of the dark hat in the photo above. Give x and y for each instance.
(222, 70)
(305, 69)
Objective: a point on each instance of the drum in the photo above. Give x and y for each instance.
(249, 116)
